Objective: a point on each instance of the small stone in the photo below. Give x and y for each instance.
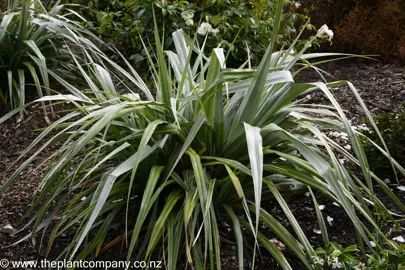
(8, 229)
(317, 231)
(330, 220)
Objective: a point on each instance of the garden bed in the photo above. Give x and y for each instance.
(381, 86)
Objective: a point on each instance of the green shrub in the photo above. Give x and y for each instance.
(33, 41)
(388, 259)
(392, 128)
(241, 25)
(214, 146)
(338, 257)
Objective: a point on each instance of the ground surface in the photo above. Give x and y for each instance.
(381, 86)
(14, 138)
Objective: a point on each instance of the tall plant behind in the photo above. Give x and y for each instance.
(243, 27)
(33, 43)
(163, 173)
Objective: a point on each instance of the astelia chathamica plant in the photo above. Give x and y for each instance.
(33, 43)
(162, 173)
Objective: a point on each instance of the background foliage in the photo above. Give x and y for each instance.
(241, 24)
(392, 127)
(35, 40)
(374, 27)
(362, 26)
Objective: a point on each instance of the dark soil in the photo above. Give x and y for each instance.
(14, 138)
(381, 86)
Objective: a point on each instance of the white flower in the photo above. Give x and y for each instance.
(324, 31)
(321, 207)
(189, 22)
(187, 14)
(297, 5)
(399, 239)
(372, 244)
(336, 264)
(204, 28)
(318, 260)
(215, 31)
(347, 147)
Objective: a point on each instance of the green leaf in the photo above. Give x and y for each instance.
(238, 234)
(145, 206)
(160, 223)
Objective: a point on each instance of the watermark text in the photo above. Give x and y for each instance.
(63, 264)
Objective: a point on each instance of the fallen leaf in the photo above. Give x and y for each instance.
(401, 188)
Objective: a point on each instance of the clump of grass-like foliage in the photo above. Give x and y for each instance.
(214, 145)
(33, 43)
